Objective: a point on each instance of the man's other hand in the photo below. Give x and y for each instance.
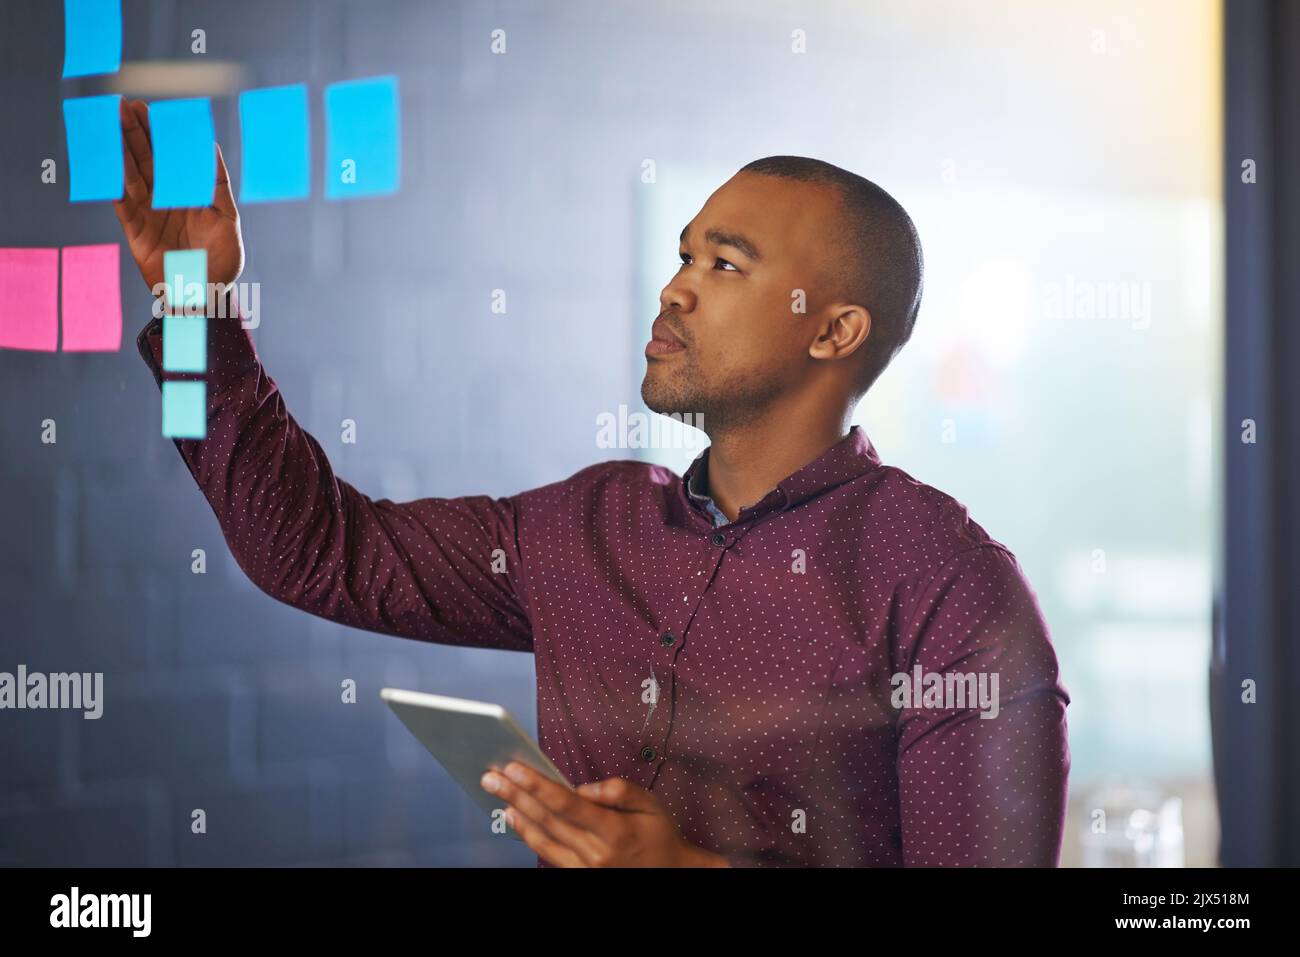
(610, 823)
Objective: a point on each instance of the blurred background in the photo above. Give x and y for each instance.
(1065, 166)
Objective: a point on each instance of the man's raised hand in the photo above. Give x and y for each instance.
(152, 232)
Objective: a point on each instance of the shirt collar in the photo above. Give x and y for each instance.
(852, 456)
(694, 488)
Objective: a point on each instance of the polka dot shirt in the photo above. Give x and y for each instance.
(853, 673)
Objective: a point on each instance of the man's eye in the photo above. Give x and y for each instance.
(686, 257)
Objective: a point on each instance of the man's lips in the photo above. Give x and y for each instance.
(663, 341)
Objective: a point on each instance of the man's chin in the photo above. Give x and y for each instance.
(658, 400)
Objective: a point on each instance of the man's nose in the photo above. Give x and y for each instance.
(677, 297)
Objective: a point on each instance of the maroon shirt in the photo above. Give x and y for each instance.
(742, 672)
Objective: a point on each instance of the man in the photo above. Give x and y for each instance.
(762, 662)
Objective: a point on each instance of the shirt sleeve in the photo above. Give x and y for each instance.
(446, 570)
(982, 784)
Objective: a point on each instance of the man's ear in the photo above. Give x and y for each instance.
(842, 332)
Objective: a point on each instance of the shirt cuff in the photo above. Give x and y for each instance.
(231, 354)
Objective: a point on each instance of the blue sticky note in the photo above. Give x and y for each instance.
(185, 271)
(94, 129)
(277, 144)
(184, 153)
(92, 37)
(363, 138)
(185, 344)
(185, 409)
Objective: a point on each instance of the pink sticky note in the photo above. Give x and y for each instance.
(92, 299)
(29, 299)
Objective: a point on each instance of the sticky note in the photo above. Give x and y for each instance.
(92, 37)
(184, 153)
(185, 271)
(277, 144)
(94, 129)
(29, 299)
(185, 344)
(185, 409)
(363, 138)
(92, 298)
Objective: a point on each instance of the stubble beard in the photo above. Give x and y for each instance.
(739, 400)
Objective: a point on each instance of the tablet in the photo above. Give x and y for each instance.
(468, 738)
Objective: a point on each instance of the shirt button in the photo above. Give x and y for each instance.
(667, 639)
(648, 754)
(719, 538)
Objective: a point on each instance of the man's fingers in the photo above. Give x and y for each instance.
(541, 842)
(141, 109)
(138, 147)
(619, 793)
(131, 216)
(124, 216)
(224, 200)
(135, 128)
(137, 191)
(566, 818)
(559, 800)
(135, 207)
(557, 825)
(223, 177)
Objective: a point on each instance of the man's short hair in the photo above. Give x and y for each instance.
(881, 266)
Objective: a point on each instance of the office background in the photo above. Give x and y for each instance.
(1048, 152)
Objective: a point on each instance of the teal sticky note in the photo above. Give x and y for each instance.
(363, 138)
(185, 271)
(184, 153)
(185, 344)
(276, 139)
(94, 128)
(92, 37)
(185, 410)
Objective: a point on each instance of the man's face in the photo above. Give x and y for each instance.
(756, 242)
